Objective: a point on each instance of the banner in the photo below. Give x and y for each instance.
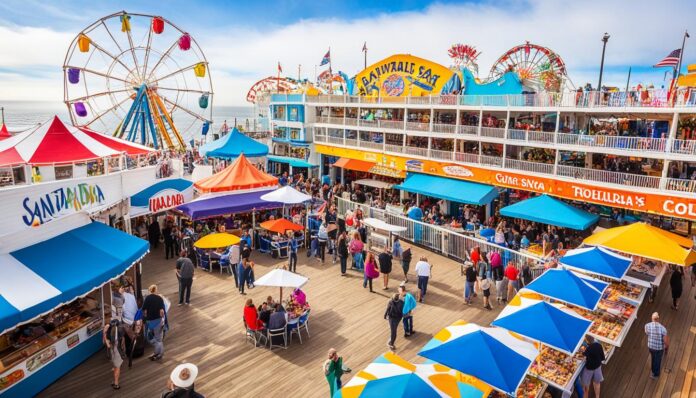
(669, 205)
(402, 75)
(163, 195)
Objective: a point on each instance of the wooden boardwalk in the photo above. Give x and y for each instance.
(345, 316)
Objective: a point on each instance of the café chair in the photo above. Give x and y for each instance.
(254, 335)
(303, 323)
(270, 333)
(293, 327)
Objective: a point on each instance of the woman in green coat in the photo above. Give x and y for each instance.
(333, 370)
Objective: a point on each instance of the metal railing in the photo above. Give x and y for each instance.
(611, 177)
(417, 151)
(495, 132)
(441, 155)
(534, 167)
(352, 141)
(392, 124)
(371, 144)
(684, 147)
(614, 142)
(680, 185)
(417, 126)
(655, 98)
(436, 238)
(464, 129)
(394, 148)
(335, 140)
(445, 128)
(496, 161)
(466, 157)
(540, 136)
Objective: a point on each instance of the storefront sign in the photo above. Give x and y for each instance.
(403, 75)
(161, 196)
(386, 171)
(668, 205)
(45, 207)
(73, 340)
(41, 358)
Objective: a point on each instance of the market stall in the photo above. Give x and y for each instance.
(53, 308)
(232, 146)
(380, 233)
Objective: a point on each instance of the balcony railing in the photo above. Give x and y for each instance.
(614, 142)
(445, 128)
(441, 155)
(352, 141)
(611, 177)
(371, 144)
(392, 124)
(466, 157)
(679, 185)
(494, 132)
(417, 126)
(491, 160)
(657, 98)
(534, 167)
(467, 130)
(335, 140)
(684, 147)
(394, 148)
(410, 150)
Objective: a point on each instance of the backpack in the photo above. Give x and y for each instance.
(395, 310)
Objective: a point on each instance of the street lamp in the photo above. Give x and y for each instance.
(605, 39)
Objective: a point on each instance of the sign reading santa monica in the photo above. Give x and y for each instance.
(56, 203)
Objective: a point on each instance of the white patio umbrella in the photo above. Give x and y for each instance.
(281, 278)
(384, 226)
(286, 195)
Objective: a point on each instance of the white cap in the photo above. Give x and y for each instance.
(184, 375)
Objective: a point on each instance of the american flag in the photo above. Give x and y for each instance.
(671, 60)
(326, 59)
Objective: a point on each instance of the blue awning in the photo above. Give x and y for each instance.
(45, 275)
(564, 285)
(294, 162)
(597, 260)
(547, 210)
(232, 145)
(234, 203)
(449, 189)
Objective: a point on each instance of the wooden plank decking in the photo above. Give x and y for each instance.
(347, 317)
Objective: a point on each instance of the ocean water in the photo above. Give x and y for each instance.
(23, 115)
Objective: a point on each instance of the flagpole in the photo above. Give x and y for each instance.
(365, 54)
(628, 80)
(299, 72)
(278, 79)
(681, 55)
(330, 72)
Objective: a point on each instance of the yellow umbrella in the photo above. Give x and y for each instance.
(213, 241)
(644, 240)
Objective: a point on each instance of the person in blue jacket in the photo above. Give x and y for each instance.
(409, 306)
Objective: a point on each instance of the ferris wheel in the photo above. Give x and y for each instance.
(539, 68)
(138, 77)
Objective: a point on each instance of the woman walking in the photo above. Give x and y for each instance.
(406, 262)
(355, 247)
(371, 271)
(342, 249)
(675, 282)
(115, 342)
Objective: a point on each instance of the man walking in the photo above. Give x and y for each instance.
(409, 306)
(658, 343)
(333, 370)
(385, 266)
(592, 373)
(469, 283)
(394, 313)
(423, 271)
(292, 257)
(184, 273)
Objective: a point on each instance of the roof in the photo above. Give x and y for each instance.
(118, 144)
(459, 191)
(84, 256)
(548, 210)
(233, 203)
(644, 240)
(4, 133)
(240, 175)
(294, 162)
(353, 164)
(232, 145)
(598, 261)
(53, 142)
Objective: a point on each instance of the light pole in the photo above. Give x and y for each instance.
(605, 39)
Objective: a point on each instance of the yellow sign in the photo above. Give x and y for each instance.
(403, 75)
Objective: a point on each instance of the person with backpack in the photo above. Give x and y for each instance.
(394, 314)
(406, 262)
(115, 342)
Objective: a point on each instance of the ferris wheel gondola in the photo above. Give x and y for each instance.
(140, 77)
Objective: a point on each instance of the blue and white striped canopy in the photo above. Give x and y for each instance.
(45, 275)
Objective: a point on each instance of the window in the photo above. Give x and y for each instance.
(64, 172)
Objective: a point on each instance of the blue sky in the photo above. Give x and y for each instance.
(244, 40)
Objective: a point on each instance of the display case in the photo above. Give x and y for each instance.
(646, 273)
(625, 291)
(556, 368)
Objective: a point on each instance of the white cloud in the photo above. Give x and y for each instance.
(642, 32)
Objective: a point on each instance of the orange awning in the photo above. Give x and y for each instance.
(239, 175)
(281, 225)
(353, 164)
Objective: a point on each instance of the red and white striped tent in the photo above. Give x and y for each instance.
(4, 133)
(55, 142)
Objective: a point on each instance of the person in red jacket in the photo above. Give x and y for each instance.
(251, 316)
(512, 274)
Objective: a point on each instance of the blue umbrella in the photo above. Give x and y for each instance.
(492, 355)
(408, 385)
(597, 260)
(564, 285)
(546, 323)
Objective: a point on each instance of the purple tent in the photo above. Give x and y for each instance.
(228, 204)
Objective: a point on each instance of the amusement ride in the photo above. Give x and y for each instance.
(140, 77)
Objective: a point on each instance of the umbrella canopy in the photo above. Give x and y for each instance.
(281, 225)
(232, 145)
(216, 240)
(566, 286)
(392, 376)
(548, 210)
(644, 240)
(493, 355)
(4, 133)
(547, 323)
(281, 278)
(286, 195)
(240, 175)
(118, 144)
(597, 260)
(379, 224)
(53, 142)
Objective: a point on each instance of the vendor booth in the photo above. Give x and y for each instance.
(232, 145)
(53, 307)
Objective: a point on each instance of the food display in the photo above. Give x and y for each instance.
(617, 308)
(531, 387)
(556, 368)
(629, 292)
(645, 273)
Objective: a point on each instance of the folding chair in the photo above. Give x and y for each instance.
(277, 332)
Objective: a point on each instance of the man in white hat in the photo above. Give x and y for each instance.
(180, 382)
